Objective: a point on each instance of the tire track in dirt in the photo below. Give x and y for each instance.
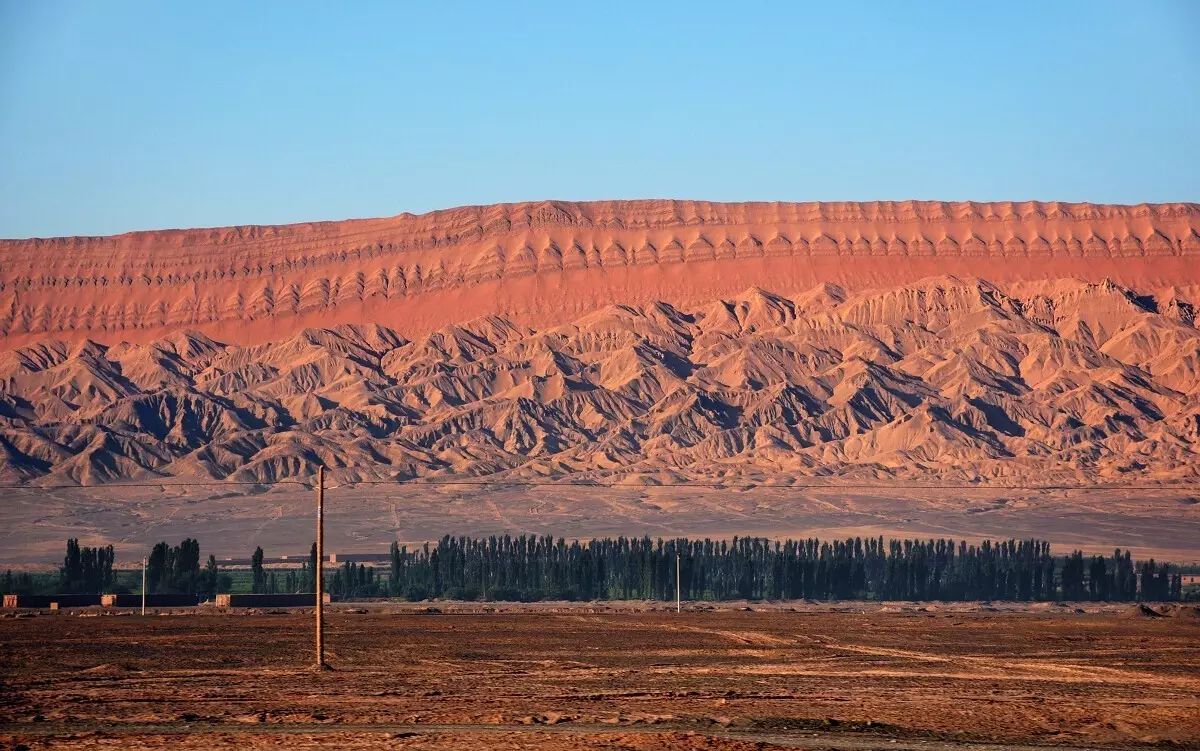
(1030, 669)
(982, 668)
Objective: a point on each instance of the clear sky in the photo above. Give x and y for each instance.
(119, 115)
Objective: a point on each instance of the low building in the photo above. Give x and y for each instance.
(269, 600)
(152, 601)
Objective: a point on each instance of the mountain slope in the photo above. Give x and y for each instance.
(944, 378)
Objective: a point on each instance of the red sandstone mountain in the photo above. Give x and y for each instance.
(622, 341)
(549, 262)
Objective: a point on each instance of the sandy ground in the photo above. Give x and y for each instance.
(593, 676)
(231, 521)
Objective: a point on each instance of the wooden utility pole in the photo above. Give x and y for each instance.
(678, 594)
(143, 586)
(319, 569)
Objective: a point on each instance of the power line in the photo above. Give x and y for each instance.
(200, 483)
(743, 485)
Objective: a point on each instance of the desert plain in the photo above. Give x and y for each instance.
(615, 676)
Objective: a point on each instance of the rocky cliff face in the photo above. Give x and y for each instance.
(945, 378)
(544, 264)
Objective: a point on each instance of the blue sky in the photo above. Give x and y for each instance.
(118, 115)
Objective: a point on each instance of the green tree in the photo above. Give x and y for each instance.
(174, 569)
(258, 583)
(209, 579)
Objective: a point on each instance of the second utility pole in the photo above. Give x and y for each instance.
(678, 595)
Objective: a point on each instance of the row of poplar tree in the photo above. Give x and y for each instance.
(169, 569)
(87, 569)
(531, 567)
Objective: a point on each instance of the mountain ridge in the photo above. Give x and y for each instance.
(718, 211)
(547, 262)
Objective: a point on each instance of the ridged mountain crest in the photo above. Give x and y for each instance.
(547, 263)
